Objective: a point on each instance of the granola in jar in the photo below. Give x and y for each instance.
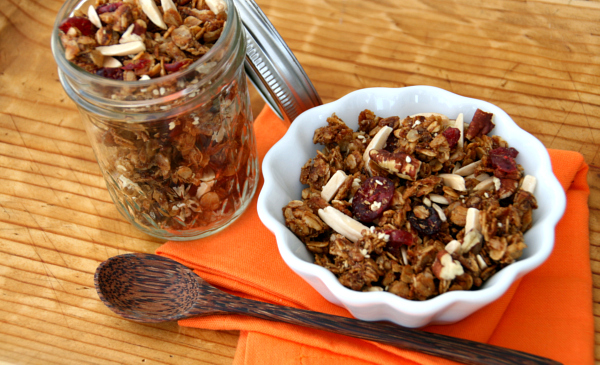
(162, 92)
(141, 39)
(416, 207)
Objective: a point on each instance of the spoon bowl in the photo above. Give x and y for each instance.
(152, 288)
(147, 288)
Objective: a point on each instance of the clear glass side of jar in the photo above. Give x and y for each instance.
(178, 152)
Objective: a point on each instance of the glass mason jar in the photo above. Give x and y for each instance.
(178, 152)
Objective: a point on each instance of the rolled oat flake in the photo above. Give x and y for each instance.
(272, 67)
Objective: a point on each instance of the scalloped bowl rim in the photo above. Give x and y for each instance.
(279, 172)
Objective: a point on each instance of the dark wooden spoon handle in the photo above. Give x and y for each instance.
(464, 351)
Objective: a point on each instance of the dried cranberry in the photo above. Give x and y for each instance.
(114, 73)
(136, 65)
(176, 66)
(398, 238)
(504, 151)
(505, 164)
(429, 226)
(452, 136)
(108, 8)
(503, 161)
(84, 25)
(372, 198)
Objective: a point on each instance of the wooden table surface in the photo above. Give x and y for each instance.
(538, 60)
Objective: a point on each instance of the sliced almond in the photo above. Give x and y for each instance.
(377, 143)
(128, 31)
(125, 182)
(456, 167)
(404, 253)
(468, 169)
(342, 224)
(216, 6)
(97, 58)
(373, 289)
(124, 49)
(529, 183)
(167, 4)
(481, 263)
(218, 135)
(454, 181)
(479, 177)
(485, 184)
(452, 246)
(440, 199)
(131, 38)
(111, 62)
(333, 185)
(472, 221)
(208, 174)
(93, 17)
(128, 36)
(151, 10)
(440, 212)
(460, 124)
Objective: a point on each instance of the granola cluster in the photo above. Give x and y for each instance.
(416, 206)
(141, 39)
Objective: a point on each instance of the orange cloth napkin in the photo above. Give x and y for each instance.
(547, 313)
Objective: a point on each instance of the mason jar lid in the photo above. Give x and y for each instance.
(272, 67)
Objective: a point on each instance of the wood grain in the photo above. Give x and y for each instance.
(538, 60)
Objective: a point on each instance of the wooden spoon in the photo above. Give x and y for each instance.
(152, 288)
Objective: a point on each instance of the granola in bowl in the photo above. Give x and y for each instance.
(282, 168)
(417, 206)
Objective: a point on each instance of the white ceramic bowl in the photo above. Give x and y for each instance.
(281, 169)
